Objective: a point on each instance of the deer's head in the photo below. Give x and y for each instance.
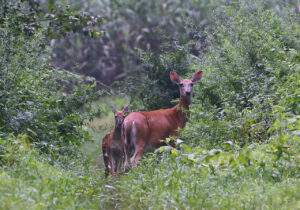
(119, 115)
(186, 85)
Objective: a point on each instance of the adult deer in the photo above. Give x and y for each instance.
(141, 129)
(112, 146)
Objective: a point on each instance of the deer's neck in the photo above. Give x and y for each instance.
(117, 134)
(185, 102)
(182, 109)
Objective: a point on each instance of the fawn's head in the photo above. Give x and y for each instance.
(119, 115)
(185, 85)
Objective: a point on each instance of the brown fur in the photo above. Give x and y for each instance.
(154, 126)
(112, 146)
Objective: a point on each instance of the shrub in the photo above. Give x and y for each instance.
(250, 177)
(37, 100)
(251, 66)
(153, 86)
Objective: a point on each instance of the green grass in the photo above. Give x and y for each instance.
(254, 177)
(33, 183)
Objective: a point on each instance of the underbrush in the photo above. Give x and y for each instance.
(32, 180)
(49, 105)
(253, 177)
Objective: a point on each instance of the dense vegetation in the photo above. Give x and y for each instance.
(240, 148)
(241, 144)
(38, 101)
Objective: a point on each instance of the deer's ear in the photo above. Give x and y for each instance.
(174, 77)
(113, 108)
(197, 76)
(126, 107)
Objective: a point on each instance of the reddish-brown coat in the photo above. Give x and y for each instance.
(105, 144)
(112, 147)
(143, 129)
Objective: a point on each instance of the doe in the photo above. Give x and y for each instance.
(141, 129)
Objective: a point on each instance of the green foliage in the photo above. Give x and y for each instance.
(241, 144)
(143, 24)
(240, 148)
(153, 85)
(250, 68)
(42, 110)
(55, 17)
(34, 182)
(251, 177)
(129, 24)
(44, 103)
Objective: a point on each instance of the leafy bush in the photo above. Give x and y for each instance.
(250, 68)
(55, 17)
(153, 86)
(34, 98)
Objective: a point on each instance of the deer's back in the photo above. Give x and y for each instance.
(105, 142)
(153, 126)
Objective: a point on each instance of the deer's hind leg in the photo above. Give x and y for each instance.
(140, 135)
(139, 151)
(127, 144)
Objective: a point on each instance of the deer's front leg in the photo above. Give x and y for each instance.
(112, 165)
(119, 163)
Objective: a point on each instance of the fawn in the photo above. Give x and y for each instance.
(112, 146)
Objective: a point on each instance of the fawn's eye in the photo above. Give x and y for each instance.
(180, 84)
(192, 84)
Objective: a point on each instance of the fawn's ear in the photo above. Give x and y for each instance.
(174, 77)
(197, 76)
(126, 107)
(113, 108)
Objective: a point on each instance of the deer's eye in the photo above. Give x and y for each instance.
(192, 84)
(180, 84)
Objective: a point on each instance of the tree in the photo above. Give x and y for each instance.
(56, 18)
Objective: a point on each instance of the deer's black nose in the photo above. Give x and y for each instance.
(188, 93)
